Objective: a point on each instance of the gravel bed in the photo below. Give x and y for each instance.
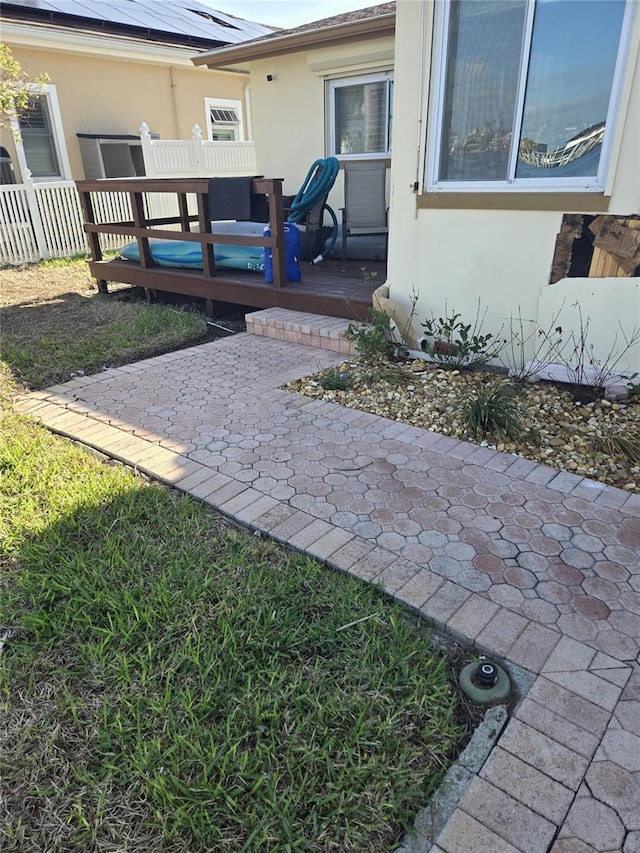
(559, 430)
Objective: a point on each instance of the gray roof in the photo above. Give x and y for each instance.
(298, 38)
(344, 18)
(185, 22)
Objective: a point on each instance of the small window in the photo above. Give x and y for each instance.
(42, 147)
(224, 120)
(360, 116)
(38, 139)
(525, 93)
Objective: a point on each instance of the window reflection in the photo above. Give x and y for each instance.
(554, 110)
(361, 118)
(573, 57)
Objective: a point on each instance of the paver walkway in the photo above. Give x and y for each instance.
(537, 566)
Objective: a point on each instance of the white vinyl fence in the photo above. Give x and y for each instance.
(43, 219)
(195, 157)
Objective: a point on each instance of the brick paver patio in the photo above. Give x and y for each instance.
(533, 565)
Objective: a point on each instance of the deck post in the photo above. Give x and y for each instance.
(94, 239)
(276, 224)
(140, 221)
(204, 225)
(183, 207)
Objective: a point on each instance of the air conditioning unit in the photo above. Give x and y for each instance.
(112, 155)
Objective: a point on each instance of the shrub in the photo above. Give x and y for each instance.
(633, 383)
(374, 339)
(576, 352)
(622, 443)
(526, 337)
(334, 380)
(457, 344)
(493, 410)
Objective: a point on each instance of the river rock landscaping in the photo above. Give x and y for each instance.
(597, 439)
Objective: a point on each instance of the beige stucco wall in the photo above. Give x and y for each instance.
(502, 257)
(110, 95)
(289, 111)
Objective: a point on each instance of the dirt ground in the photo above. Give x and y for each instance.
(59, 293)
(64, 296)
(44, 283)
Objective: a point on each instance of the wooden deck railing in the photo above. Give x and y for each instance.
(145, 226)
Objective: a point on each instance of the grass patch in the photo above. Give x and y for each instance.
(55, 324)
(175, 684)
(117, 333)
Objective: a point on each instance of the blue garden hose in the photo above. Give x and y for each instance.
(316, 186)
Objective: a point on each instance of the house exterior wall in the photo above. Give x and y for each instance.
(502, 257)
(289, 112)
(113, 95)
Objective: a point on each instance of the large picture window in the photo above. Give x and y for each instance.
(360, 116)
(525, 93)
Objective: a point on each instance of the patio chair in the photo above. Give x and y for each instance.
(365, 202)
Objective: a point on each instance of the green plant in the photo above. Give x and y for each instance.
(633, 382)
(493, 410)
(392, 374)
(15, 90)
(373, 340)
(622, 443)
(455, 343)
(368, 276)
(334, 379)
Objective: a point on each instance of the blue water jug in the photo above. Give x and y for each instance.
(291, 251)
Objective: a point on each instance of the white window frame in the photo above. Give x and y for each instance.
(519, 185)
(355, 80)
(48, 90)
(224, 104)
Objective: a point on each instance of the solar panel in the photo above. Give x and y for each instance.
(187, 19)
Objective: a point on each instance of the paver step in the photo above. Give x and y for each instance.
(313, 330)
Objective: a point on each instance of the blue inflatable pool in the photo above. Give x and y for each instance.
(181, 254)
(187, 255)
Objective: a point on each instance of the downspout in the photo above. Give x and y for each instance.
(174, 100)
(247, 113)
(416, 186)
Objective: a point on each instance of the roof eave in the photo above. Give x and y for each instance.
(81, 42)
(377, 27)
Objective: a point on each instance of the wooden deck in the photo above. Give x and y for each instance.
(324, 289)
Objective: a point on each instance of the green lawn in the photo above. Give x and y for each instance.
(175, 684)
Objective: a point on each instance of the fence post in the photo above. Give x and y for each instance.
(147, 150)
(34, 213)
(198, 151)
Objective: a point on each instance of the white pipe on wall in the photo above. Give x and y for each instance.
(247, 112)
